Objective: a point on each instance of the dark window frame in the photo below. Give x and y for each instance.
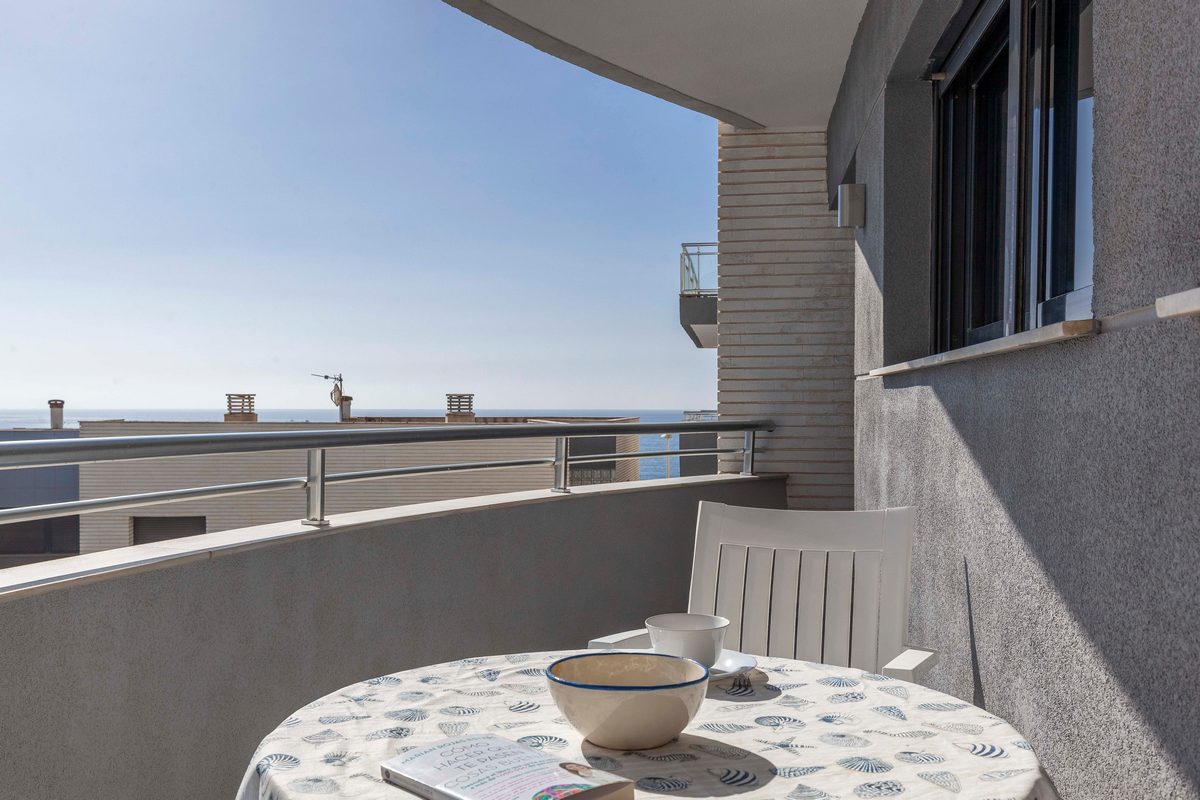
(1043, 280)
(971, 274)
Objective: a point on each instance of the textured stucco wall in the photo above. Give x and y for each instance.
(891, 310)
(1147, 151)
(1058, 537)
(892, 45)
(1058, 532)
(160, 683)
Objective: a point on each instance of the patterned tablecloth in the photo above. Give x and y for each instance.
(789, 729)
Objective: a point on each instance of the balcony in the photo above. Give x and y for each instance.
(698, 292)
(154, 670)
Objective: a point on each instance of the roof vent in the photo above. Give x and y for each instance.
(460, 408)
(240, 408)
(56, 414)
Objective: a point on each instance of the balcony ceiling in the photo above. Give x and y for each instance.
(764, 63)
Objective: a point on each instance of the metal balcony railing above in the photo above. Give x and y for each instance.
(698, 269)
(56, 452)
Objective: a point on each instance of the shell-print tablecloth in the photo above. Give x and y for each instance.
(789, 729)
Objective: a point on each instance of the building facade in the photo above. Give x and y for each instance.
(1055, 485)
(998, 326)
(111, 529)
(39, 540)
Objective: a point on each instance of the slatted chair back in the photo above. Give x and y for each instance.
(824, 586)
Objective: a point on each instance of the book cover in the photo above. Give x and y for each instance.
(486, 767)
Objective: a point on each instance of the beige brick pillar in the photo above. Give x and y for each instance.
(785, 311)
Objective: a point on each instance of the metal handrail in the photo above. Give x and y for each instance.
(58, 452)
(689, 274)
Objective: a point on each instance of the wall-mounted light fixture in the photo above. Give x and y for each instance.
(852, 205)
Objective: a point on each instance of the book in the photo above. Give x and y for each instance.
(486, 767)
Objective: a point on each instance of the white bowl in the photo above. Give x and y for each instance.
(628, 701)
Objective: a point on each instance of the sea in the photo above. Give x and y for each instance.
(650, 468)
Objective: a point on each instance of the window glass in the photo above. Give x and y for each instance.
(986, 252)
(1083, 155)
(1059, 107)
(23, 537)
(1018, 82)
(973, 170)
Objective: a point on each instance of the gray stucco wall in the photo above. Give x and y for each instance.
(1058, 532)
(1058, 538)
(160, 683)
(891, 310)
(1147, 156)
(892, 45)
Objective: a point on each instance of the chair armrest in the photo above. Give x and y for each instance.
(638, 638)
(912, 665)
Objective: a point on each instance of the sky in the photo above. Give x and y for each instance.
(227, 196)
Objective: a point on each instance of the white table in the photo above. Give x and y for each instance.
(792, 730)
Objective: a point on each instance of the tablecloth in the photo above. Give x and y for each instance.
(789, 729)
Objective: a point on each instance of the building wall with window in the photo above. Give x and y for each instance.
(1055, 487)
(40, 540)
(110, 529)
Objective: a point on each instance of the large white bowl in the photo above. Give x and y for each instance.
(628, 701)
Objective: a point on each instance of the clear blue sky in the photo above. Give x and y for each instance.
(226, 196)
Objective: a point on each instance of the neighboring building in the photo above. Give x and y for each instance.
(106, 530)
(29, 542)
(958, 265)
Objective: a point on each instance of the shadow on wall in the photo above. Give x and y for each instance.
(1058, 543)
(976, 676)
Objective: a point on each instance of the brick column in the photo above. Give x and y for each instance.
(785, 311)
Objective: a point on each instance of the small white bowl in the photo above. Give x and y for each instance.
(628, 701)
(700, 637)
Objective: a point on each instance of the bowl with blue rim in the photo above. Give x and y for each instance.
(628, 701)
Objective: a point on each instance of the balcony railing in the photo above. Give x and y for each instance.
(698, 269)
(55, 452)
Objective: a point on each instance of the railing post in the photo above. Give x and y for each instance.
(748, 454)
(562, 481)
(314, 490)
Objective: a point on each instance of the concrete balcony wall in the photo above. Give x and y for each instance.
(154, 671)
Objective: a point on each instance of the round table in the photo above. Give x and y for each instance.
(789, 729)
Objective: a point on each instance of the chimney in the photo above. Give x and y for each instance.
(460, 408)
(240, 408)
(56, 414)
(344, 408)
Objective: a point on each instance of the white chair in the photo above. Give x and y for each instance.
(824, 586)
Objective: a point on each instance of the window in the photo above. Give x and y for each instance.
(57, 535)
(160, 529)
(1057, 224)
(1013, 224)
(973, 168)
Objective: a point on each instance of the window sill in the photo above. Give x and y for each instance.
(1047, 334)
(1181, 304)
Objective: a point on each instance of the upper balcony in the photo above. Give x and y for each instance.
(698, 292)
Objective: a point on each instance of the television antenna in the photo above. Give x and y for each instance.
(336, 393)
